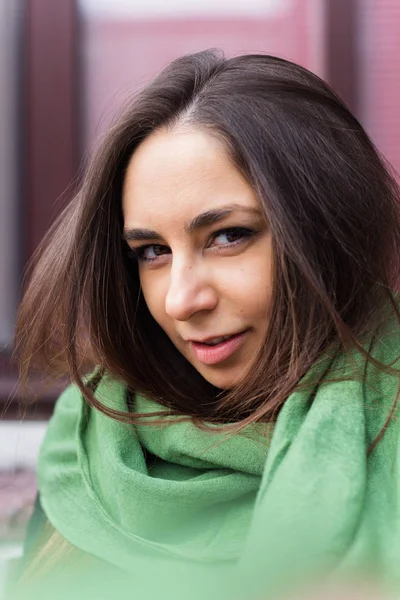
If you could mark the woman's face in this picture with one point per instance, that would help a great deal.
(203, 248)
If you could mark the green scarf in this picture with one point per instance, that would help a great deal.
(190, 513)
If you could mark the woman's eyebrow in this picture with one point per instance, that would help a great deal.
(205, 219)
(137, 234)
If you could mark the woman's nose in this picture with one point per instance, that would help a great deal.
(190, 291)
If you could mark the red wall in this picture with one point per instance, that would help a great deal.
(120, 56)
(379, 56)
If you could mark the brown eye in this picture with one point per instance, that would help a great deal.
(150, 252)
(233, 235)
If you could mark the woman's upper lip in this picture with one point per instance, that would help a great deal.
(213, 337)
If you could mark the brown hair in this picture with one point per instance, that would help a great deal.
(329, 198)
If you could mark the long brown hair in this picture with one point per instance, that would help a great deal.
(332, 206)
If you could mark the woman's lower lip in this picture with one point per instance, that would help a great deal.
(211, 355)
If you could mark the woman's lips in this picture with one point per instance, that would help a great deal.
(211, 355)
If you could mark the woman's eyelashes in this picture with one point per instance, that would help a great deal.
(222, 239)
(233, 235)
(149, 252)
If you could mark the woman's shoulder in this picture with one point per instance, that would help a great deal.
(105, 387)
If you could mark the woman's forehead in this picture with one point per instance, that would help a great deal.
(180, 174)
(172, 156)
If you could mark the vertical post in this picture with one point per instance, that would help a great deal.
(48, 154)
(341, 56)
(51, 112)
(9, 166)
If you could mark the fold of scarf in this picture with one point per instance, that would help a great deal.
(247, 513)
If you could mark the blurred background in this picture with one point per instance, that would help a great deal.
(66, 66)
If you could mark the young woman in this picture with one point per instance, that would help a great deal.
(220, 294)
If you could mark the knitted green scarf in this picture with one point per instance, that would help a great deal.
(189, 513)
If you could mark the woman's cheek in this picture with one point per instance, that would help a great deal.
(153, 294)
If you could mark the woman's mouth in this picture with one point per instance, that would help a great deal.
(217, 349)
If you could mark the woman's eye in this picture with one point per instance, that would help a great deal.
(150, 252)
(223, 238)
(227, 237)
